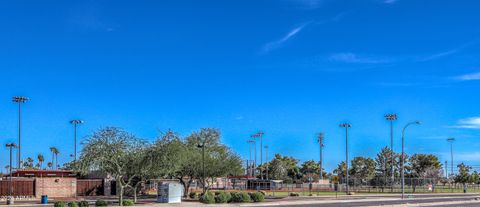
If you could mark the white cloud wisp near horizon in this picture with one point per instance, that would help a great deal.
(468, 77)
(468, 123)
(348, 57)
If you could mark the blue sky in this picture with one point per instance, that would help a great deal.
(291, 68)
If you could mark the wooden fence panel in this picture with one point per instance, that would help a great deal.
(90, 187)
(20, 187)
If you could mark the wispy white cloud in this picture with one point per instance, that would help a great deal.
(468, 77)
(440, 55)
(447, 53)
(390, 1)
(468, 123)
(278, 43)
(354, 58)
(308, 4)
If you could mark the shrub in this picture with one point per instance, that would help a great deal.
(83, 204)
(223, 197)
(263, 192)
(59, 204)
(72, 204)
(207, 198)
(241, 197)
(294, 194)
(128, 202)
(192, 195)
(257, 197)
(101, 203)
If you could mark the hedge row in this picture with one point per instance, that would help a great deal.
(229, 197)
(100, 203)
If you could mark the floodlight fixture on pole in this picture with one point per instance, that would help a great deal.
(321, 138)
(10, 184)
(255, 136)
(346, 126)
(451, 140)
(20, 100)
(250, 166)
(266, 161)
(391, 118)
(402, 172)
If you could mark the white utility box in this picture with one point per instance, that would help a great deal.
(169, 192)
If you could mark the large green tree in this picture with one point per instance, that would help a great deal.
(463, 175)
(362, 169)
(284, 168)
(311, 169)
(424, 169)
(182, 158)
(115, 152)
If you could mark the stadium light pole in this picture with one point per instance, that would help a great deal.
(75, 123)
(266, 161)
(321, 137)
(255, 136)
(250, 142)
(346, 126)
(391, 118)
(10, 186)
(19, 100)
(402, 172)
(451, 140)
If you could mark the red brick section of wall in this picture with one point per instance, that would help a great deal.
(56, 187)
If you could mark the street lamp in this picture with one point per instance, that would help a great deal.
(10, 198)
(451, 140)
(75, 123)
(19, 100)
(321, 137)
(202, 145)
(391, 118)
(402, 172)
(346, 126)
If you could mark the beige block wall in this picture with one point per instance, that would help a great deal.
(56, 187)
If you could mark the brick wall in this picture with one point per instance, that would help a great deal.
(56, 187)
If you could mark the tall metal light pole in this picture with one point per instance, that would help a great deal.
(10, 191)
(402, 172)
(446, 169)
(75, 123)
(255, 136)
(19, 100)
(451, 140)
(391, 118)
(321, 137)
(250, 142)
(254, 155)
(266, 161)
(346, 126)
(202, 145)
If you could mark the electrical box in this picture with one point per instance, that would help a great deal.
(169, 192)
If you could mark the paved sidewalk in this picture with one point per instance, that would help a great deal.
(354, 200)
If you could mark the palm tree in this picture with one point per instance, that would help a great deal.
(55, 153)
(41, 159)
(29, 164)
(49, 165)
